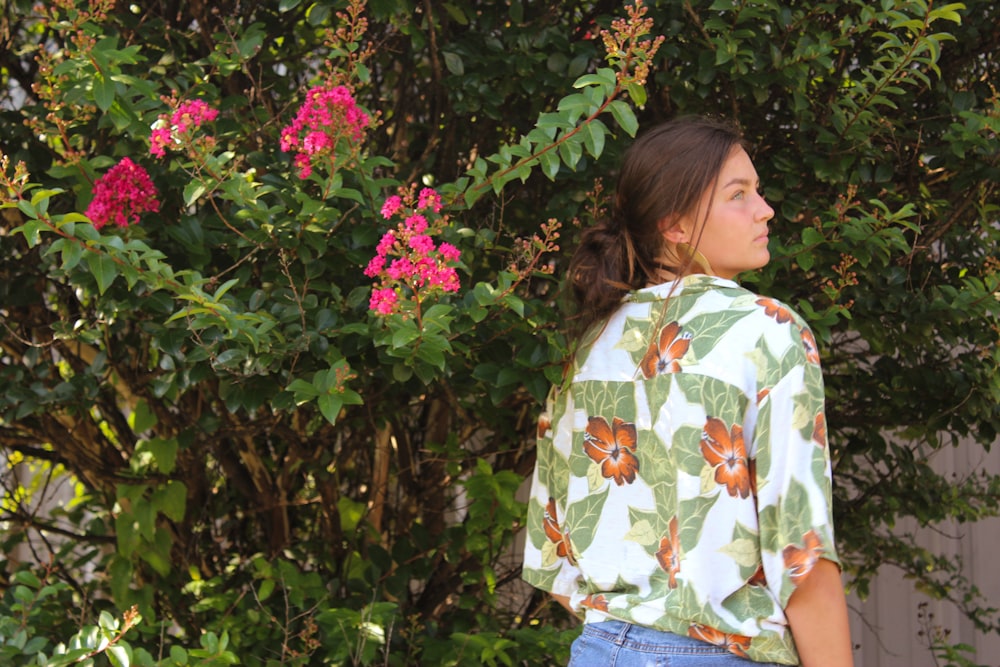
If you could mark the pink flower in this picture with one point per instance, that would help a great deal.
(429, 197)
(180, 125)
(375, 266)
(407, 261)
(422, 244)
(447, 277)
(159, 140)
(416, 223)
(315, 142)
(385, 245)
(383, 301)
(391, 206)
(449, 252)
(191, 115)
(121, 195)
(289, 138)
(305, 166)
(401, 268)
(328, 116)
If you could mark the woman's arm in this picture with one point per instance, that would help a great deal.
(817, 614)
(564, 601)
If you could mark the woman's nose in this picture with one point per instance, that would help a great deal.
(764, 210)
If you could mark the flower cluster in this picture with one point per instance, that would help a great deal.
(176, 127)
(328, 116)
(406, 259)
(121, 195)
(625, 50)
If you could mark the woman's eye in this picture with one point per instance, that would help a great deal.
(738, 195)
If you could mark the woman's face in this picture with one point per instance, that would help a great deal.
(734, 237)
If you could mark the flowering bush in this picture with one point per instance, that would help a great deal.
(295, 419)
(178, 128)
(121, 195)
(407, 263)
(327, 122)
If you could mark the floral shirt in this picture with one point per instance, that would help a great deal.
(683, 474)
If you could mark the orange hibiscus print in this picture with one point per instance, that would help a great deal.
(561, 539)
(819, 430)
(598, 602)
(662, 356)
(761, 395)
(612, 447)
(758, 578)
(724, 450)
(544, 424)
(774, 309)
(809, 342)
(669, 555)
(799, 561)
(737, 644)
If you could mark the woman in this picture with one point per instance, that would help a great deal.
(681, 498)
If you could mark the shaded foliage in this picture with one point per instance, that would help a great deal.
(257, 455)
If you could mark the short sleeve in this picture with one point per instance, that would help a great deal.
(793, 468)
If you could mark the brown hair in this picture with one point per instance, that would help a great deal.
(663, 174)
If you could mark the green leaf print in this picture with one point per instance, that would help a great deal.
(544, 579)
(686, 451)
(606, 399)
(553, 471)
(762, 440)
(693, 513)
(708, 327)
(767, 518)
(656, 460)
(633, 340)
(748, 602)
(595, 480)
(797, 513)
(741, 534)
(769, 647)
(582, 518)
(717, 397)
(708, 485)
(536, 531)
(771, 368)
(743, 551)
(657, 391)
(549, 555)
(642, 533)
(658, 526)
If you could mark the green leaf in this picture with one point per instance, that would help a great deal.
(192, 191)
(72, 253)
(570, 152)
(624, 116)
(637, 93)
(104, 91)
(593, 137)
(164, 453)
(329, 406)
(120, 654)
(812, 237)
(454, 63)
(103, 268)
(550, 163)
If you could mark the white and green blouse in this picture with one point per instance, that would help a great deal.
(683, 474)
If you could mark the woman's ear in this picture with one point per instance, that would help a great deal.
(673, 230)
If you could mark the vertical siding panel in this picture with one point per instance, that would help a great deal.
(886, 626)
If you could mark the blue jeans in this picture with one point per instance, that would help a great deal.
(619, 644)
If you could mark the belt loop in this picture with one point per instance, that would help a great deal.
(623, 634)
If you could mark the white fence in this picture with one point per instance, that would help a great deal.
(890, 627)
